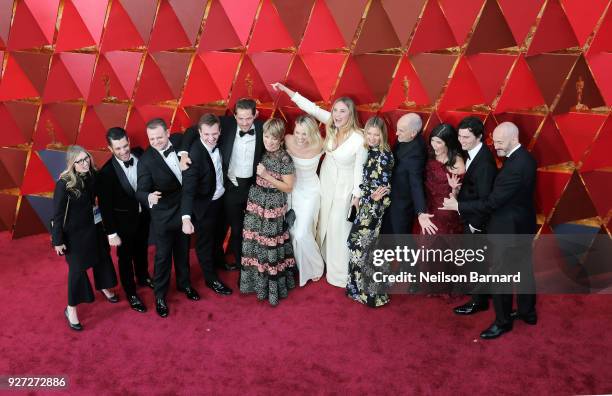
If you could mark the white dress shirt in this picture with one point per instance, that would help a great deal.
(172, 161)
(216, 159)
(131, 173)
(243, 155)
(472, 153)
(513, 150)
(132, 176)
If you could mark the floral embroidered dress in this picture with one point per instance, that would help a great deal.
(366, 227)
(267, 255)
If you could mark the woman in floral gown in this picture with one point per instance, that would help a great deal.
(375, 188)
(267, 256)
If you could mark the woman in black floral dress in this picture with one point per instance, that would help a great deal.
(374, 200)
(267, 255)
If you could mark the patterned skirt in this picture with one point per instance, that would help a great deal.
(268, 265)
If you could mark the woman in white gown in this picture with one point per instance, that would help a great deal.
(305, 147)
(340, 175)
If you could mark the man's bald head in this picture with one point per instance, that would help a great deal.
(505, 138)
(408, 126)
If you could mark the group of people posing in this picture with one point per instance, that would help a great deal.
(285, 221)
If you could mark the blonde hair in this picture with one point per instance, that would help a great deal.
(312, 128)
(275, 127)
(74, 183)
(380, 124)
(352, 124)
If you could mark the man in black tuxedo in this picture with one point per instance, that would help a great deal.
(201, 201)
(126, 221)
(159, 188)
(477, 184)
(407, 192)
(241, 143)
(511, 210)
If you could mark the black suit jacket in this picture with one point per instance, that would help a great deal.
(408, 194)
(226, 141)
(199, 181)
(73, 224)
(155, 175)
(477, 184)
(510, 204)
(117, 198)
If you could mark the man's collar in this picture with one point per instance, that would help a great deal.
(209, 149)
(165, 148)
(513, 150)
(472, 152)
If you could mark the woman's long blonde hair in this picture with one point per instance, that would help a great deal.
(378, 123)
(74, 183)
(312, 128)
(352, 124)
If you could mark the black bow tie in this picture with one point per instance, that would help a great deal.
(168, 151)
(249, 132)
(128, 163)
(214, 148)
(468, 155)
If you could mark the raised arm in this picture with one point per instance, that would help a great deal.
(306, 105)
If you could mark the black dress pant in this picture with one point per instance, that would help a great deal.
(133, 255)
(79, 286)
(235, 202)
(209, 238)
(480, 295)
(398, 220)
(517, 259)
(170, 243)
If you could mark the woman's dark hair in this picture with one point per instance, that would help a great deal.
(448, 135)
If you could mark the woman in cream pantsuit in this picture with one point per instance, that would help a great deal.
(340, 175)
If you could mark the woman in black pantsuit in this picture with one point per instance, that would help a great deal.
(77, 233)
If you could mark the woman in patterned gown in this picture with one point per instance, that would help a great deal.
(267, 256)
(375, 189)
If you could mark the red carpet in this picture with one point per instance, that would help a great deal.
(315, 341)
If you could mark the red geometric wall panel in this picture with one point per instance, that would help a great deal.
(81, 25)
(71, 69)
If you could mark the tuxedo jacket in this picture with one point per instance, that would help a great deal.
(199, 181)
(510, 203)
(226, 141)
(407, 192)
(477, 184)
(117, 199)
(155, 175)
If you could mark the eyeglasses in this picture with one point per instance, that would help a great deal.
(82, 160)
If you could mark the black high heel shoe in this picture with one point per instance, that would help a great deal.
(114, 299)
(73, 326)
